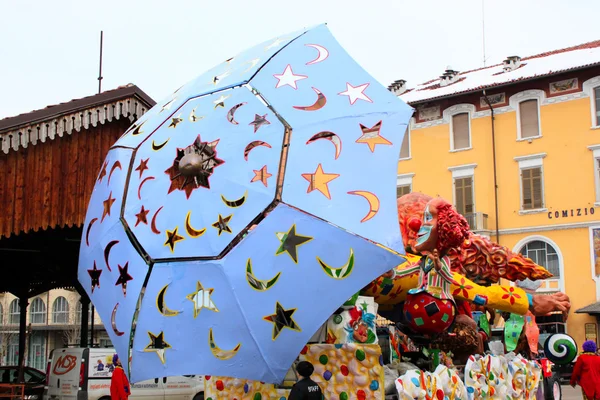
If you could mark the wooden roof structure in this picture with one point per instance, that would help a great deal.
(50, 159)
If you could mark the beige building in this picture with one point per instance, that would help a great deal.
(53, 321)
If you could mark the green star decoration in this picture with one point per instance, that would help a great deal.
(282, 319)
(290, 242)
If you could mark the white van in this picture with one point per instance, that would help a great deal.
(84, 374)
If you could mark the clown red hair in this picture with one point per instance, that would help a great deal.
(453, 228)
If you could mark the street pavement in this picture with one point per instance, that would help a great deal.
(570, 393)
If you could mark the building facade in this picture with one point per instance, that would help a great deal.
(516, 148)
(54, 321)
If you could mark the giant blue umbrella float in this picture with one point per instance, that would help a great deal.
(233, 218)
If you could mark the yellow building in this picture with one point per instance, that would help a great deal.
(516, 148)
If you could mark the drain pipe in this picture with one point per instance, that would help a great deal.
(494, 163)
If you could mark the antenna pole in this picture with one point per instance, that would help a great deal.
(100, 73)
(483, 29)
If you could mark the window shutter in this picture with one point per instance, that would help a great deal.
(459, 197)
(528, 111)
(460, 131)
(405, 148)
(403, 190)
(526, 184)
(536, 184)
(597, 99)
(469, 206)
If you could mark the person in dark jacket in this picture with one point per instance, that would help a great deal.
(587, 372)
(119, 384)
(306, 388)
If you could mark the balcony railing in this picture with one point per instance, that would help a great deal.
(478, 221)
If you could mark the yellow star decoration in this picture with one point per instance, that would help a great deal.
(201, 299)
(319, 180)
(157, 345)
(372, 137)
(172, 238)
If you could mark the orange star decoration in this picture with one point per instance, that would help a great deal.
(107, 206)
(172, 238)
(319, 180)
(372, 137)
(261, 175)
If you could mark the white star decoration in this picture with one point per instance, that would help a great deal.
(355, 93)
(276, 43)
(288, 78)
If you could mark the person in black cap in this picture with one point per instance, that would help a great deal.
(305, 388)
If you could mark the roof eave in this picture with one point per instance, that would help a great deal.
(500, 85)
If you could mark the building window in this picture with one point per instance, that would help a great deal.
(461, 131)
(79, 311)
(543, 254)
(596, 106)
(402, 190)
(529, 119)
(12, 356)
(531, 184)
(1, 316)
(463, 195)
(404, 184)
(37, 351)
(405, 148)
(37, 311)
(595, 148)
(60, 311)
(14, 312)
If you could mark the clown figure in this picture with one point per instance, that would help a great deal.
(360, 327)
(430, 307)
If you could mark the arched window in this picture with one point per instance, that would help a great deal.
(543, 254)
(14, 311)
(60, 311)
(37, 310)
(79, 311)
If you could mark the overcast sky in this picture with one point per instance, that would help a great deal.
(49, 49)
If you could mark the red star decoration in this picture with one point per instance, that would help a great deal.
(95, 276)
(107, 205)
(261, 175)
(142, 216)
(124, 277)
(103, 171)
(143, 166)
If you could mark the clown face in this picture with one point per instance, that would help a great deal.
(361, 331)
(427, 235)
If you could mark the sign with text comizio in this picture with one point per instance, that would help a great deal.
(571, 213)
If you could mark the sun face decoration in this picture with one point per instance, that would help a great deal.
(193, 166)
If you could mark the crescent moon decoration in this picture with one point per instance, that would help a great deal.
(339, 273)
(157, 147)
(317, 105)
(252, 145)
(373, 203)
(193, 233)
(153, 224)
(235, 203)
(87, 233)
(217, 351)
(160, 303)
(138, 130)
(231, 113)
(142, 184)
(107, 249)
(259, 284)
(332, 137)
(323, 54)
(113, 323)
(194, 117)
(116, 165)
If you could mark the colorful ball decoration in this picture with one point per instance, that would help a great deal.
(427, 314)
(560, 348)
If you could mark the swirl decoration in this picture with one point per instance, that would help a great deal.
(560, 348)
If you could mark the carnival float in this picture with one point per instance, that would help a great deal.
(249, 221)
